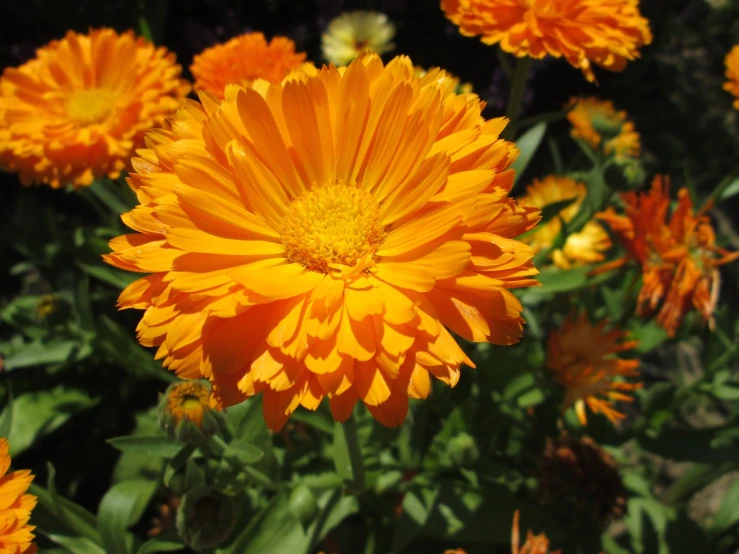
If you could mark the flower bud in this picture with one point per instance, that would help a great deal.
(303, 504)
(185, 412)
(205, 517)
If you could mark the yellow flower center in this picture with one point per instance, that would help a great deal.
(89, 106)
(337, 223)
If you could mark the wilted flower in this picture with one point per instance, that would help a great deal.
(583, 247)
(607, 33)
(16, 536)
(185, 412)
(205, 518)
(732, 74)
(602, 127)
(314, 238)
(582, 481)
(583, 359)
(535, 544)
(679, 258)
(79, 109)
(244, 59)
(352, 33)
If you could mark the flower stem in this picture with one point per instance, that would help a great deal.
(348, 455)
(518, 87)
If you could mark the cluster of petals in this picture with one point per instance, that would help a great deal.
(16, 535)
(535, 544)
(320, 238)
(603, 128)
(583, 247)
(243, 60)
(608, 33)
(583, 359)
(679, 258)
(732, 74)
(353, 33)
(79, 109)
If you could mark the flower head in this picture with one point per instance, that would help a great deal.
(80, 108)
(535, 544)
(679, 258)
(16, 536)
(185, 412)
(584, 247)
(243, 60)
(583, 359)
(581, 481)
(352, 33)
(602, 127)
(607, 33)
(732, 74)
(317, 238)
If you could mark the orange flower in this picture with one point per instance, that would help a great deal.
(79, 109)
(317, 238)
(535, 544)
(605, 32)
(16, 536)
(243, 60)
(583, 247)
(732, 74)
(599, 124)
(679, 259)
(582, 357)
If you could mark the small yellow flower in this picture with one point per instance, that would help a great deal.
(732, 74)
(584, 247)
(597, 123)
(583, 359)
(352, 33)
(16, 536)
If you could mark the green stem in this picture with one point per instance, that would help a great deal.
(348, 455)
(549, 117)
(518, 87)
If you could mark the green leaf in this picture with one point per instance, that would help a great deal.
(242, 452)
(550, 211)
(528, 144)
(418, 503)
(168, 542)
(77, 545)
(348, 455)
(704, 445)
(728, 514)
(6, 418)
(112, 196)
(161, 446)
(122, 506)
(116, 344)
(55, 514)
(41, 353)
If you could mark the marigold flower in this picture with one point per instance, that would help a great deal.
(679, 258)
(79, 109)
(584, 247)
(243, 60)
(607, 33)
(318, 237)
(352, 33)
(581, 481)
(732, 74)
(535, 544)
(16, 536)
(597, 123)
(583, 359)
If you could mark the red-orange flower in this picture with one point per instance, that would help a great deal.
(244, 59)
(535, 544)
(679, 258)
(80, 108)
(732, 74)
(16, 535)
(607, 33)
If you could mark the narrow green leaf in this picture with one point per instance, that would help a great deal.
(77, 545)
(58, 514)
(168, 542)
(347, 454)
(528, 144)
(122, 506)
(151, 445)
(107, 192)
(41, 353)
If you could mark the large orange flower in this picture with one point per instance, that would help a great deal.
(583, 247)
(583, 359)
(16, 536)
(80, 108)
(244, 59)
(607, 33)
(679, 258)
(732, 74)
(318, 237)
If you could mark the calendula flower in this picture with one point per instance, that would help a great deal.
(243, 60)
(80, 108)
(602, 127)
(607, 33)
(185, 412)
(732, 74)
(581, 482)
(317, 238)
(583, 247)
(16, 536)
(444, 77)
(352, 33)
(583, 358)
(679, 258)
(535, 544)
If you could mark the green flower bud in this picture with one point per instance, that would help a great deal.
(607, 124)
(303, 504)
(626, 173)
(462, 450)
(185, 413)
(205, 518)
